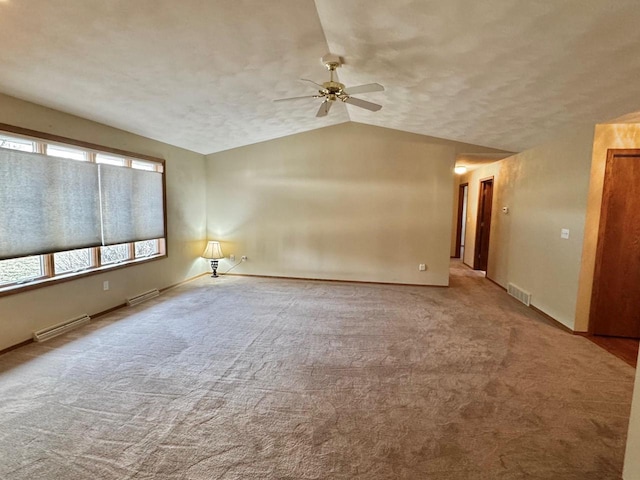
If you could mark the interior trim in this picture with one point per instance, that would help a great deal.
(48, 281)
(103, 312)
(77, 143)
(332, 280)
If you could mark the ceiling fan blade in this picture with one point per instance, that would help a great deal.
(311, 81)
(369, 87)
(324, 108)
(294, 98)
(374, 107)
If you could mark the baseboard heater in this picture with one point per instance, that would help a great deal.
(60, 328)
(519, 294)
(143, 297)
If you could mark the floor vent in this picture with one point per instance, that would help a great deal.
(519, 294)
(143, 297)
(60, 328)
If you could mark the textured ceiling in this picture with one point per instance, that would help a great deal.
(202, 74)
(476, 160)
(632, 117)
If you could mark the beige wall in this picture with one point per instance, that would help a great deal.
(632, 456)
(606, 137)
(22, 313)
(546, 190)
(348, 202)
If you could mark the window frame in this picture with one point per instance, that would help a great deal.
(49, 277)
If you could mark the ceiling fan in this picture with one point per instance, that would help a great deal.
(331, 91)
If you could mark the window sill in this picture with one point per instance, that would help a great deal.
(65, 277)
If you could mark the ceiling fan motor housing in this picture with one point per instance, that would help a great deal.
(332, 89)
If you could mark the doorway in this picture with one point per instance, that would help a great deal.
(483, 225)
(461, 231)
(615, 303)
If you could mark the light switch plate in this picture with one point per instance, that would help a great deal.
(564, 233)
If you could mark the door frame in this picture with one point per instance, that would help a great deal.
(598, 264)
(461, 187)
(478, 215)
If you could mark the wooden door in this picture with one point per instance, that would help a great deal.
(483, 225)
(615, 300)
(462, 190)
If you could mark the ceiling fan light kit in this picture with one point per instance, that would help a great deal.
(332, 90)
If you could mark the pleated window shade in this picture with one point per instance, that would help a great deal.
(52, 204)
(47, 204)
(132, 204)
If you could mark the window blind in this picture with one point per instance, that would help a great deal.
(52, 204)
(132, 205)
(47, 204)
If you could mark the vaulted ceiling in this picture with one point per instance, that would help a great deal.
(202, 74)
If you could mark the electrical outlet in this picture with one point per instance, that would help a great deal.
(232, 257)
(105, 285)
(422, 267)
(244, 258)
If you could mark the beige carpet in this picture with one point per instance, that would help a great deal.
(246, 378)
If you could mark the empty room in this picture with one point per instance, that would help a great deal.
(319, 240)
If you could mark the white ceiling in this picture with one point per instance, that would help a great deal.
(473, 161)
(202, 74)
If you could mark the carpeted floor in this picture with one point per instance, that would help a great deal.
(247, 378)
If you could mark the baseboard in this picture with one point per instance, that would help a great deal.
(495, 283)
(190, 279)
(108, 310)
(555, 322)
(104, 312)
(309, 279)
(546, 316)
(17, 345)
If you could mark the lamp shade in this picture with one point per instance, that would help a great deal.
(213, 251)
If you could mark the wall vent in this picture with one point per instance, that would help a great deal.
(143, 297)
(519, 294)
(60, 328)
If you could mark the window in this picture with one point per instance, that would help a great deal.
(65, 152)
(110, 160)
(107, 208)
(146, 248)
(17, 144)
(114, 254)
(16, 270)
(143, 165)
(72, 261)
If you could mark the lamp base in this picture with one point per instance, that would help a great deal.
(214, 268)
